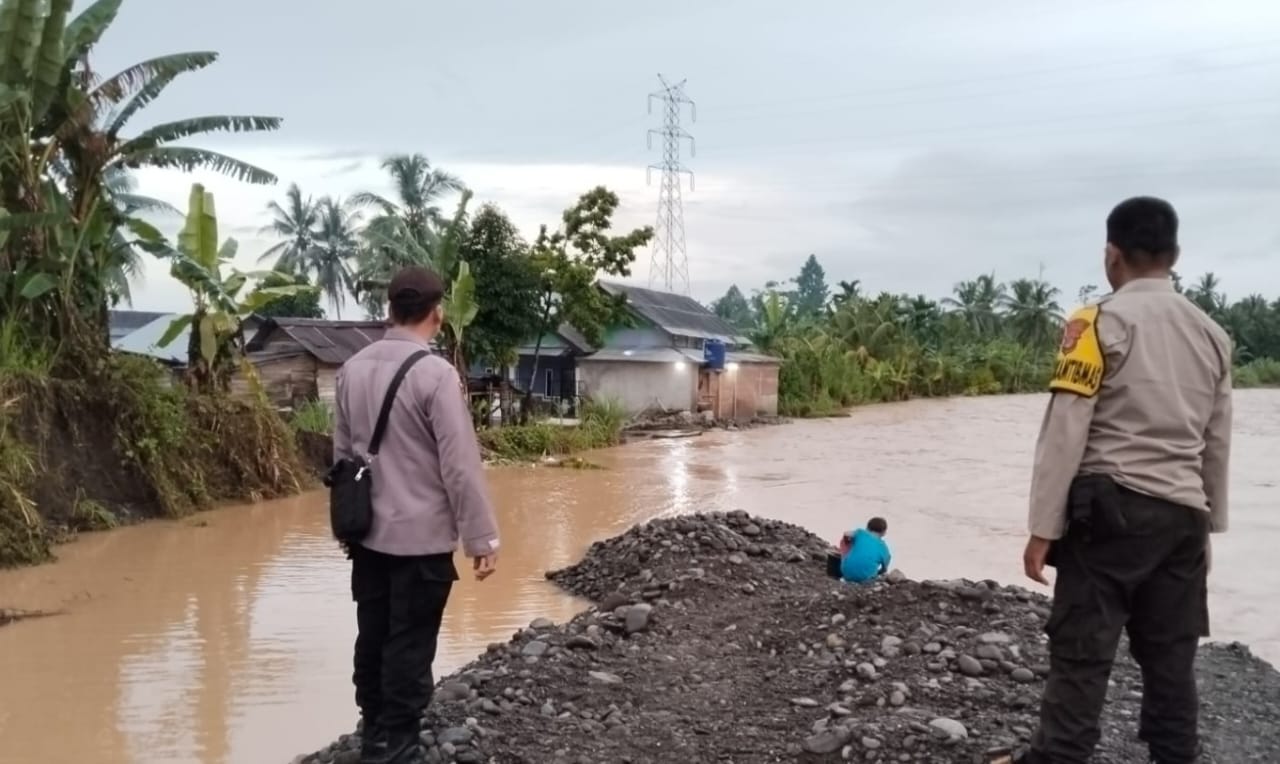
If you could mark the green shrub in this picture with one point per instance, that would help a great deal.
(313, 416)
(1260, 372)
(600, 426)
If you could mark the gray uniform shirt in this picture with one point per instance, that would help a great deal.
(429, 490)
(1160, 423)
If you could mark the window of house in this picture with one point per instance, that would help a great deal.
(550, 380)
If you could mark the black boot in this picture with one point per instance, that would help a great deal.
(373, 743)
(396, 747)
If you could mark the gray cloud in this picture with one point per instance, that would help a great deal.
(909, 147)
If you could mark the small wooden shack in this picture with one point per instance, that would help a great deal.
(298, 359)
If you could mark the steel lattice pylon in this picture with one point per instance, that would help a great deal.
(669, 265)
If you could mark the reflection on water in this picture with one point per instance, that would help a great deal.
(226, 638)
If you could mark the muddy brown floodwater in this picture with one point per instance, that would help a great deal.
(225, 638)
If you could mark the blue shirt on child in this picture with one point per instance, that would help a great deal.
(868, 558)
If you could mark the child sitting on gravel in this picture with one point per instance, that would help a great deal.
(864, 554)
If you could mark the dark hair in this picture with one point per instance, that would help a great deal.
(1145, 230)
(878, 525)
(413, 293)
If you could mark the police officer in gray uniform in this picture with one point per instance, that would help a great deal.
(1130, 479)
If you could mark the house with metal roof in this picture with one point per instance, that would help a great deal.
(121, 323)
(139, 333)
(674, 354)
(298, 358)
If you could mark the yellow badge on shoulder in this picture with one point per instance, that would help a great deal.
(1080, 360)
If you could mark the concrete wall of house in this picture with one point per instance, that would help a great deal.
(639, 385)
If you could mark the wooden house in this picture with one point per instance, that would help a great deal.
(297, 359)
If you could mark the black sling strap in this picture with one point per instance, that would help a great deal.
(380, 428)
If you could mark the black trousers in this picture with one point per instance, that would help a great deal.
(1138, 564)
(399, 606)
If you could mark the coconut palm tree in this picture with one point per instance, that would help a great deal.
(1206, 294)
(330, 262)
(295, 222)
(418, 186)
(978, 301)
(1032, 311)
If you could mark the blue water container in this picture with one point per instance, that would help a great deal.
(713, 352)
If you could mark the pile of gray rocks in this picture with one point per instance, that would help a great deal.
(719, 638)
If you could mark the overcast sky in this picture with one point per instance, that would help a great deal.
(909, 145)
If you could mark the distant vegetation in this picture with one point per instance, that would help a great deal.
(600, 426)
(845, 347)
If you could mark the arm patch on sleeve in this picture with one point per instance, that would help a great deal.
(1080, 362)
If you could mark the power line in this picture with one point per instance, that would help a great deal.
(669, 265)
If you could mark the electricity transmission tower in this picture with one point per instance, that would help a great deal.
(669, 266)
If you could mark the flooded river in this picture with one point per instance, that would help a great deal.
(226, 638)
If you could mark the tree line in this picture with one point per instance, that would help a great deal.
(503, 290)
(843, 346)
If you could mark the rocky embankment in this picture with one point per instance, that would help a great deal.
(719, 638)
(657, 421)
(10, 615)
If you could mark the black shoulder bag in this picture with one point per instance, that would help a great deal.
(350, 481)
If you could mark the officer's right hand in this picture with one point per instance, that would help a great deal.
(1034, 557)
(485, 566)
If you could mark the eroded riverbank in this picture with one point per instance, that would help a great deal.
(226, 638)
(720, 638)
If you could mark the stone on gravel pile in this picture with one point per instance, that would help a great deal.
(719, 638)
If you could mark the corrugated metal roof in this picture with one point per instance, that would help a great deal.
(673, 355)
(123, 322)
(575, 338)
(142, 341)
(641, 355)
(331, 342)
(675, 313)
(736, 357)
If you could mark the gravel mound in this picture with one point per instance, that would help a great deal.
(719, 638)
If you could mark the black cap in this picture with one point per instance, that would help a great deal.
(417, 283)
(413, 293)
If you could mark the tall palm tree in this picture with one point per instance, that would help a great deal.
(295, 222)
(418, 186)
(1205, 294)
(978, 301)
(331, 258)
(1032, 311)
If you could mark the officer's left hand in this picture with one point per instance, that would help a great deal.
(1033, 559)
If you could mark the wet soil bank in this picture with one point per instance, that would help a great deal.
(720, 638)
(124, 446)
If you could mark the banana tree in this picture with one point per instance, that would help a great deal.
(62, 141)
(219, 311)
(460, 309)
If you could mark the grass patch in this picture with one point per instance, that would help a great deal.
(91, 515)
(313, 416)
(1260, 372)
(22, 532)
(600, 425)
(19, 357)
